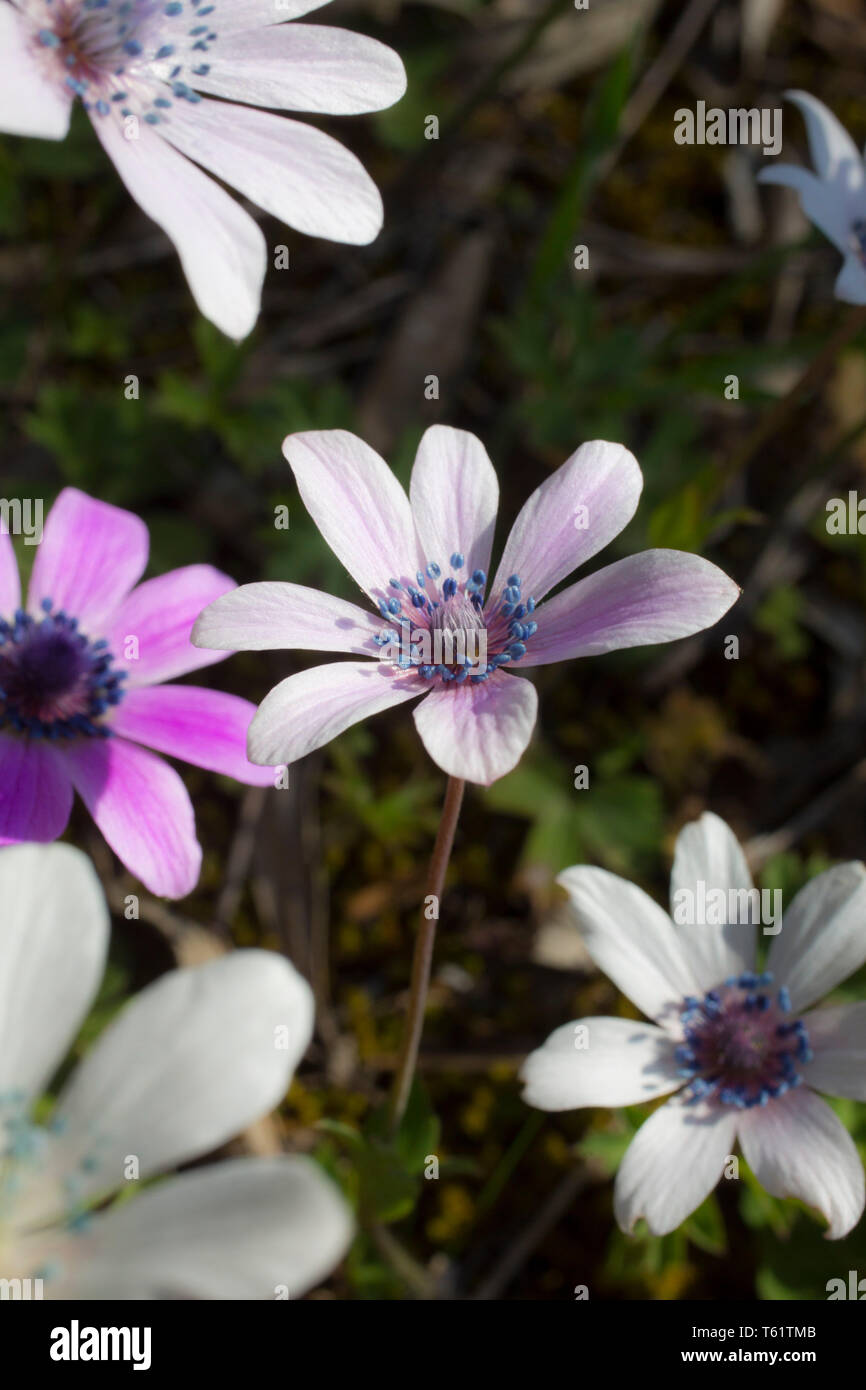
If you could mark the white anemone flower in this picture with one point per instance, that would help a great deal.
(142, 69)
(739, 1044)
(180, 1070)
(834, 196)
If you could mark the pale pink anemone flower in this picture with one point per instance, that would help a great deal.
(730, 1036)
(140, 67)
(81, 672)
(423, 561)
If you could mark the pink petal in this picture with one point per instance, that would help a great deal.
(358, 505)
(271, 616)
(10, 583)
(797, 1147)
(143, 810)
(35, 791)
(552, 535)
(837, 1038)
(159, 615)
(673, 1163)
(306, 711)
(478, 732)
(293, 171)
(30, 102)
(221, 248)
(204, 727)
(656, 596)
(454, 495)
(306, 67)
(90, 557)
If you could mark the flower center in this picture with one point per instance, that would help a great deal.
(740, 1046)
(442, 629)
(858, 239)
(106, 49)
(54, 681)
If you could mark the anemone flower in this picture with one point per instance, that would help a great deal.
(81, 672)
(423, 561)
(834, 196)
(730, 1037)
(184, 1067)
(140, 68)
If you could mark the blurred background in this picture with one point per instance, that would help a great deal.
(555, 130)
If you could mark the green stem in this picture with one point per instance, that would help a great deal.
(423, 957)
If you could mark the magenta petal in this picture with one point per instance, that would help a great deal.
(90, 557)
(142, 808)
(656, 596)
(573, 515)
(205, 727)
(10, 584)
(159, 616)
(35, 791)
(454, 495)
(306, 711)
(478, 732)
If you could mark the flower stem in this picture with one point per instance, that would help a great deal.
(423, 957)
(777, 418)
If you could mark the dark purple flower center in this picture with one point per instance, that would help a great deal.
(55, 682)
(740, 1046)
(442, 629)
(858, 239)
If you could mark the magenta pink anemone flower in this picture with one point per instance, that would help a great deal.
(144, 71)
(81, 693)
(440, 630)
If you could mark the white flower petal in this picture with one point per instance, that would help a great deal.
(797, 1147)
(291, 170)
(600, 1061)
(30, 102)
(823, 936)
(834, 153)
(305, 67)
(708, 852)
(54, 928)
(837, 1038)
(250, 1228)
(631, 940)
(185, 1065)
(850, 286)
(673, 1163)
(221, 249)
(825, 204)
